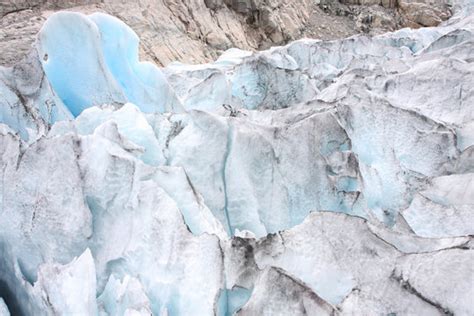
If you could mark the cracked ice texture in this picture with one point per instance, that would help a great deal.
(337, 178)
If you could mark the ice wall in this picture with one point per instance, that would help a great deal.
(108, 70)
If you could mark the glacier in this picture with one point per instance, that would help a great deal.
(316, 178)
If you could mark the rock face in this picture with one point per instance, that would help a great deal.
(317, 178)
(197, 31)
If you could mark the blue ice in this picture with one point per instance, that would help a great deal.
(93, 60)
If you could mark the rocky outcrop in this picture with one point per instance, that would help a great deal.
(418, 13)
(196, 31)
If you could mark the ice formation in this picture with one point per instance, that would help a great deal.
(318, 178)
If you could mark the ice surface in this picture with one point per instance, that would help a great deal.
(276, 293)
(28, 104)
(69, 289)
(39, 214)
(230, 301)
(3, 308)
(79, 84)
(318, 178)
(142, 82)
(125, 297)
(109, 71)
(454, 269)
(444, 209)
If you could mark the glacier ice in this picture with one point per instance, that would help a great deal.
(317, 178)
(3, 308)
(69, 289)
(109, 71)
(277, 293)
(444, 209)
(28, 102)
(416, 272)
(124, 298)
(63, 37)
